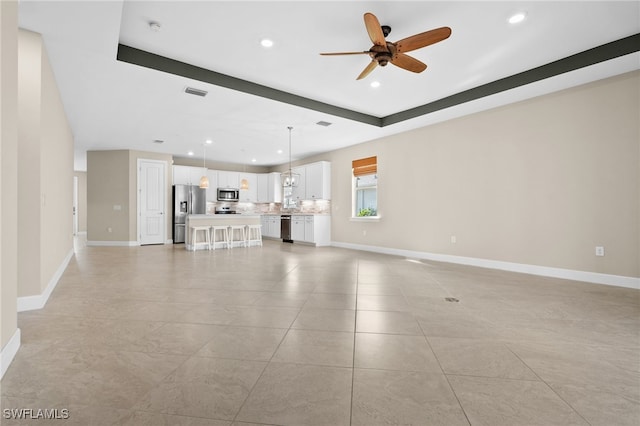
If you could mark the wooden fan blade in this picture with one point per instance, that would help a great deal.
(344, 53)
(408, 63)
(374, 29)
(368, 70)
(423, 39)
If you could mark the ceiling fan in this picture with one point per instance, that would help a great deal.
(382, 52)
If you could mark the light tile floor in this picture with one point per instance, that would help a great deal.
(293, 335)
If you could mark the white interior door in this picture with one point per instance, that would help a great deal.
(151, 201)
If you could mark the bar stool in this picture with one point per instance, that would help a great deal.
(254, 235)
(194, 237)
(222, 231)
(239, 231)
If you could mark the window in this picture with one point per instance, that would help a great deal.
(365, 187)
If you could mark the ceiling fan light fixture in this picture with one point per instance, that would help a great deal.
(265, 42)
(375, 84)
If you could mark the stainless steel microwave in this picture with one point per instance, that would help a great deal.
(228, 194)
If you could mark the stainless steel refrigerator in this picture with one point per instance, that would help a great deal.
(187, 199)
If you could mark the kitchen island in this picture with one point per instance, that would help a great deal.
(217, 220)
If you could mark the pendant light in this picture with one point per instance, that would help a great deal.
(204, 180)
(290, 179)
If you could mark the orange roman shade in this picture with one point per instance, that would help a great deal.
(365, 166)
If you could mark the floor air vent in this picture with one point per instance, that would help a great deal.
(451, 299)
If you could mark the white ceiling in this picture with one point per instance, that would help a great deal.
(118, 105)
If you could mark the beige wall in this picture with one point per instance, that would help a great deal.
(29, 160)
(112, 180)
(45, 165)
(8, 171)
(82, 200)
(108, 186)
(56, 178)
(540, 182)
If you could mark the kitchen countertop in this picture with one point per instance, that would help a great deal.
(296, 214)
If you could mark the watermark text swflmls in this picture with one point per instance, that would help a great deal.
(35, 413)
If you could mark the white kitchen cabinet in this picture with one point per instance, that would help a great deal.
(263, 188)
(228, 179)
(249, 195)
(180, 175)
(212, 191)
(297, 228)
(274, 189)
(308, 229)
(274, 226)
(318, 181)
(271, 226)
(269, 188)
(299, 192)
(187, 175)
(311, 229)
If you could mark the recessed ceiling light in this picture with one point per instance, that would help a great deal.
(517, 18)
(253, 160)
(208, 142)
(190, 153)
(375, 84)
(279, 151)
(265, 42)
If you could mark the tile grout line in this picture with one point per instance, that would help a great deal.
(267, 363)
(353, 353)
(446, 377)
(547, 384)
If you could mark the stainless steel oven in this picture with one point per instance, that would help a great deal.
(285, 228)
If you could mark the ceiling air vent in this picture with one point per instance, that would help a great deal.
(197, 92)
(323, 123)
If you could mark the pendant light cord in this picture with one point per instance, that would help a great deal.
(290, 175)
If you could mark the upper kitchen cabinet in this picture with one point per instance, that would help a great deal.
(228, 179)
(318, 181)
(269, 188)
(248, 192)
(299, 192)
(212, 191)
(187, 175)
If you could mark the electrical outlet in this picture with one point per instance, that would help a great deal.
(364, 232)
(599, 251)
(453, 239)
(109, 230)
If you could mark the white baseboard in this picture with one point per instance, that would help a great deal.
(545, 271)
(30, 303)
(9, 352)
(113, 243)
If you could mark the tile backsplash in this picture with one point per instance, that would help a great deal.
(306, 206)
